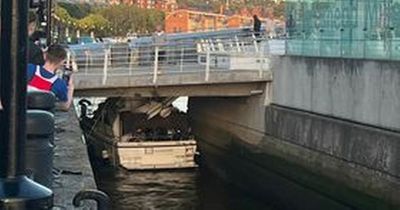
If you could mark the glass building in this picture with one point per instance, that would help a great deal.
(368, 29)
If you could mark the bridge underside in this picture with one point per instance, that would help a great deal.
(225, 90)
(229, 84)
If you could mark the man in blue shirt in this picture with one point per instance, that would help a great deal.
(43, 78)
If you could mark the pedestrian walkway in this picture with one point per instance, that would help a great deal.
(72, 161)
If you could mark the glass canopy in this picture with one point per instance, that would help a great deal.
(344, 28)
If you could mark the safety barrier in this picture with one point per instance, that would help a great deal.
(236, 52)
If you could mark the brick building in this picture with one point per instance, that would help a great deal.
(237, 21)
(164, 5)
(190, 21)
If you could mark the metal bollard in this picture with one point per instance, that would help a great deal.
(102, 199)
(41, 100)
(84, 103)
(39, 148)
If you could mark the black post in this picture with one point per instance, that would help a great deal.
(48, 21)
(13, 85)
(16, 190)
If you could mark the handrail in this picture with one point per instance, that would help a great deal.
(102, 199)
(214, 54)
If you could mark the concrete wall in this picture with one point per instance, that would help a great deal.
(362, 91)
(326, 128)
(354, 164)
(362, 157)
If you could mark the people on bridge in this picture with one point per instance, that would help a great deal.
(256, 25)
(159, 41)
(44, 78)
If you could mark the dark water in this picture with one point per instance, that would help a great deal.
(176, 190)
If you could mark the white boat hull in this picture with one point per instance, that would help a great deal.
(157, 155)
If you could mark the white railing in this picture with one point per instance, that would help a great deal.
(238, 52)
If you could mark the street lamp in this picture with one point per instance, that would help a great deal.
(48, 25)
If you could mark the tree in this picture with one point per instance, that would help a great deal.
(124, 19)
(63, 16)
(116, 20)
(94, 23)
(77, 11)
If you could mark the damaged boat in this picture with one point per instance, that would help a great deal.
(139, 134)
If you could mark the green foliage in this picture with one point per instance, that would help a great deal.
(77, 11)
(117, 20)
(126, 19)
(63, 16)
(279, 10)
(94, 23)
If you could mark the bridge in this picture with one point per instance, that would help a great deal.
(318, 120)
(221, 65)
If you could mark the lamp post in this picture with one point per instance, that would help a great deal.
(48, 23)
(17, 192)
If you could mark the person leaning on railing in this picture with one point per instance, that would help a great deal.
(44, 78)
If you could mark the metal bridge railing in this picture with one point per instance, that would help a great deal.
(238, 52)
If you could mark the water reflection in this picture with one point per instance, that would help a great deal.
(176, 190)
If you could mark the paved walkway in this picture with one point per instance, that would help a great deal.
(72, 157)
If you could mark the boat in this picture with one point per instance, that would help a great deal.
(139, 134)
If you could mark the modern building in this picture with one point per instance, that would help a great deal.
(339, 81)
(343, 28)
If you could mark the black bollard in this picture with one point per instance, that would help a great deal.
(39, 148)
(41, 100)
(84, 103)
(17, 192)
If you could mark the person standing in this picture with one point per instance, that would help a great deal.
(35, 54)
(43, 78)
(160, 41)
(257, 25)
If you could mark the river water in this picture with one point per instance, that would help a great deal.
(171, 190)
(176, 190)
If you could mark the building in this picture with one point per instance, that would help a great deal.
(191, 21)
(188, 21)
(237, 21)
(362, 28)
(166, 5)
(163, 5)
(339, 81)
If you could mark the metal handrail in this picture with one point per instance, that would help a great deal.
(102, 199)
(245, 51)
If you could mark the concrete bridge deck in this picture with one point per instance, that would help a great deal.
(224, 83)
(203, 68)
